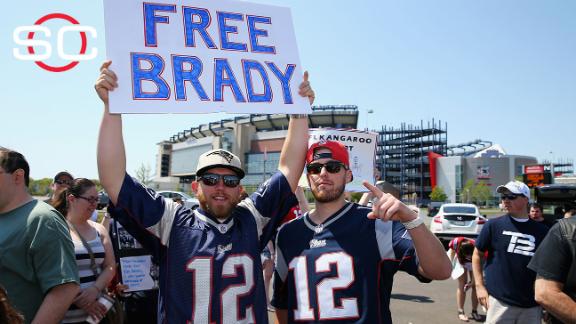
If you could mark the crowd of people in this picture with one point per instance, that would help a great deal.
(334, 263)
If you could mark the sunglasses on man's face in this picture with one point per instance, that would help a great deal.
(331, 167)
(211, 179)
(510, 197)
(63, 182)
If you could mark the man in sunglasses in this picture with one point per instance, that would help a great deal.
(210, 270)
(336, 264)
(506, 287)
(62, 181)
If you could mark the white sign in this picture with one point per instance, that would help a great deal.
(203, 56)
(361, 149)
(136, 272)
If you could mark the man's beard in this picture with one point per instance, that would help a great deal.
(326, 196)
(221, 211)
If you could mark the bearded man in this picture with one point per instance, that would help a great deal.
(336, 264)
(210, 270)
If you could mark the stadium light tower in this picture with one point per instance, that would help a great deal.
(369, 111)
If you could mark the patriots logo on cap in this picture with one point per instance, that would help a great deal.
(225, 155)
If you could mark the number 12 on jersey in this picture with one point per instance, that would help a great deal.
(202, 270)
(327, 309)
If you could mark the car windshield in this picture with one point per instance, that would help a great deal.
(459, 210)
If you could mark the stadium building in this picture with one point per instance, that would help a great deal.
(412, 158)
(256, 139)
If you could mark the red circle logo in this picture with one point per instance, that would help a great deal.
(82, 36)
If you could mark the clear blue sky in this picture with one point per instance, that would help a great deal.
(503, 71)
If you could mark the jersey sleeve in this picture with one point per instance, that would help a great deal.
(482, 243)
(453, 244)
(404, 251)
(53, 253)
(269, 204)
(552, 258)
(280, 296)
(148, 209)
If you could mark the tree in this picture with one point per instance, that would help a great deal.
(144, 174)
(40, 187)
(481, 193)
(466, 196)
(438, 194)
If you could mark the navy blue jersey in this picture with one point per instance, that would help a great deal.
(510, 245)
(210, 271)
(340, 271)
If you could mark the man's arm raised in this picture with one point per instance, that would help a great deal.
(434, 264)
(111, 152)
(295, 146)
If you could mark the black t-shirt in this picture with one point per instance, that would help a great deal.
(555, 259)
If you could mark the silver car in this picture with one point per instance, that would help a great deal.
(455, 220)
(188, 201)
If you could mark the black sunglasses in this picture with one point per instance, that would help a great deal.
(211, 179)
(510, 197)
(331, 167)
(63, 182)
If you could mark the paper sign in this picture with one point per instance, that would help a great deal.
(361, 149)
(203, 56)
(136, 272)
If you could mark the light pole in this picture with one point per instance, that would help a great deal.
(369, 111)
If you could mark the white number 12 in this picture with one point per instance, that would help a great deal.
(202, 270)
(324, 289)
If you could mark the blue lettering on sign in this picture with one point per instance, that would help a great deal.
(190, 26)
(284, 79)
(153, 75)
(248, 67)
(255, 32)
(222, 68)
(181, 76)
(150, 21)
(225, 44)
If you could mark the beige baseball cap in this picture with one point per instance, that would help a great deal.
(219, 158)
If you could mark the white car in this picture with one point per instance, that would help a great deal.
(455, 220)
(188, 201)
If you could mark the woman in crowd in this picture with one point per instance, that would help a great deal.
(94, 253)
(461, 250)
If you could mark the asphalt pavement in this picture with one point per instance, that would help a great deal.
(432, 303)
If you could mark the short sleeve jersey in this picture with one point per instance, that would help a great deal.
(510, 245)
(340, 271)
(555, 259)
(210, 271)
(36, 254)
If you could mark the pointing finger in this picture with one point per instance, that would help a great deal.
(305, 76)
(375, 190)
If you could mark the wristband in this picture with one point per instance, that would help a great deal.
(299, 116)
(413, 223)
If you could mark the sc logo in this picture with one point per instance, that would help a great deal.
(30, 43)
